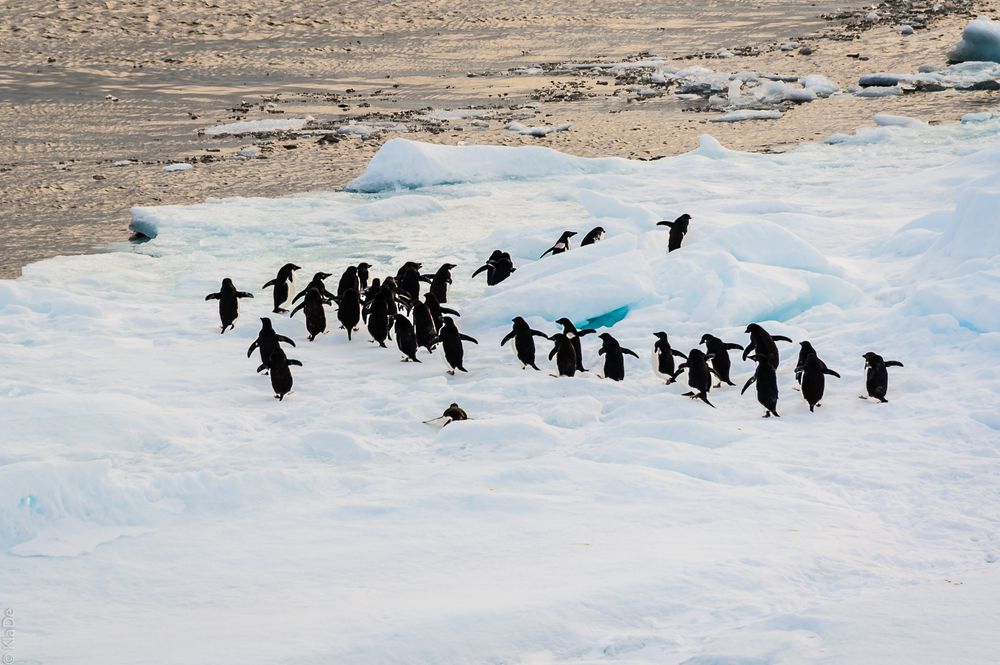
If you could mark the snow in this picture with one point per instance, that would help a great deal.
(980, 41)
(749, 114)
(539, 130)
(267, 126)
(819, 84)
(179, 166)
(963, 75)
(149, 478)
(890, 120)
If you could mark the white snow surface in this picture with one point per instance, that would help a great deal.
(265, 126)
(179, 166)
(158, 505)
(980, 41)
(748, 114)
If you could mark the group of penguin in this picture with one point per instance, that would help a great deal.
(387, 305)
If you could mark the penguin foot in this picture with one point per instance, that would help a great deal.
(451, 372)
(767, 414)
(862, 396)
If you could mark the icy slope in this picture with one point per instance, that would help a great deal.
(158, 505)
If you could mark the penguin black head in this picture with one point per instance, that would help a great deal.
(362, 266)
(519, 321)
(706, 338)
(606, 336)
(872, 358)
(228, 283)
(566, 323)
(753, 329)
(697, 355)
(569, 234)
(684, 219)
(351, 270)
(448, 266)
(447, 321)
(807, 348)
(376, 283)
(660, 335)
(320, 276)
(265, 322)
(504, 255)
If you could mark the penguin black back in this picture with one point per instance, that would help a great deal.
(699, 375)
(229, 303)
(281, 376)
(614, 357)
(349, 310)
(574, 335)
(596, 234)
(406, 340)
(437, 311)
(349, 280)
(315, 314)
(561, 245)
(424, 326)
(268, 340)
(378, 322)
(719, 351)
(762, 344)
(767, 386)
(440, 281)
(813, 379)
(564, 353)
(877, 375)
(678, 229)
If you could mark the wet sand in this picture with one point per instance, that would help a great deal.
(172, 69)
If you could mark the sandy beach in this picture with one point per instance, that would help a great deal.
(97, 97)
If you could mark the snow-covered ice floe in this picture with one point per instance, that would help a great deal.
(267, 126)
(149, 479)
(538, 130)
(980, 41)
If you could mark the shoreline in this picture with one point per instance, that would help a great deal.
(70, 190)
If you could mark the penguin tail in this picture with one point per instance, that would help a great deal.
(812, 408)
(704, 398)
(535, 367)
(462, 369)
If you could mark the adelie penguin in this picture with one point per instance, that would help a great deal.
(349, 280)
(450, 415)
(451, 340)
(363, 276)
(812, 378)
(574, 335)
(806, 349)
(437, 311)
(316, 283)
(284, 287)
(229, 303)
(562, 245)
(440, 281)
(315, 314)
(406, 340)
(614, 357)
(767, 386)
(524, 343)
(349, 311)
(408, 280)
(424, 326)
(877, 376)
(267, 341)
(762, 344)
(565, 354)
(498, 268)
(595, 235)
(663, 358)
(678, 229)
(378, 322)
(699, 375)
(281, 376)
(719, 351)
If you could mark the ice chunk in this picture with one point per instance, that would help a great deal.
(540, 130)
(889, 120)
(267, 126)
(980, 41)
(819, 84)
(180, 166)
(748, 114)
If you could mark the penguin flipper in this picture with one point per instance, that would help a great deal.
(831, 373)
(630, 352)
(253, 346)
(244, 294)
(213, 296)
(261, 367)
(539, 333)
(448, 310)
(297, 308)
(747, 384)
(481, 269)
(780, 338)
(601, 351)
(734, 347)
(273, 282)
(550, 249)
(678, 354)
(507, 338)
(893, 363)
(469, 339)
(286, 340)
(292, 361)
(585, 331)
(665, 223)
(552, 353)
(748, 350)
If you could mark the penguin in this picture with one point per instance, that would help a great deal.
(800, 364)
(813, 379)
(267, 341)
(574, 336)
(488, 266)
(699, 375)
(349, 311)
(565, 354)
(229, 303)
(281, 376)
(408, 281)
(497, 268)
(316, 283)
(678, 229)
(596, 235)
(562, 245)
(663, 358)
(440, 281)
(877, 376)
(315, 314)
(450, 415)
(719, 351)
(524, 345)
(424, 325)
(767, 386)
(363, 276)
(378, 322)
(437, 311)
(405, 339)
(450, 340)
(284, 287)
(763, 344)
(349, 280)
(614, 357)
